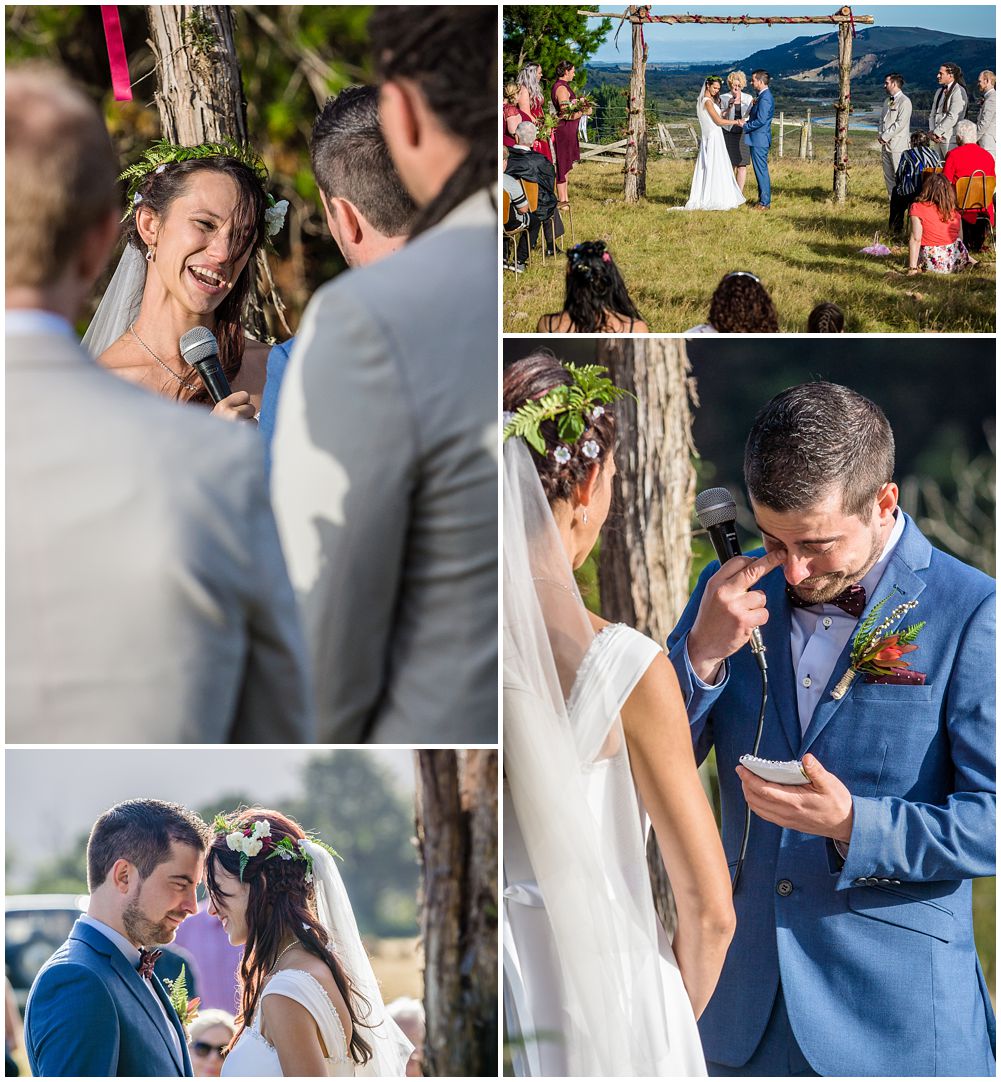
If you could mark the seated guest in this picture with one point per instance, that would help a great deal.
(966, 159)
(368, 210)
(910, 174)
(596, 296)
(518, 215)
(935, 244)
(528, 164)
(740, 305)
(209, 1036)
(826, 318)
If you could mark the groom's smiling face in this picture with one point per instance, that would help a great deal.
(158, 903)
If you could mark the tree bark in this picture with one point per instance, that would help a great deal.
(199, 97)
(636, 150)
(457, 836)
(842, 110)
(646, 556)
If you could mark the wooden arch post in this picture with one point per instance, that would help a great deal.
(636, 153)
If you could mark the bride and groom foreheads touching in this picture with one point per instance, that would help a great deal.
(747, 125)
(845, 946)
(310, 1004)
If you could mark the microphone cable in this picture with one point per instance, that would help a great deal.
(763, 666)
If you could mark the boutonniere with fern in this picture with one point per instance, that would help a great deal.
(879, 656)
(177, 993)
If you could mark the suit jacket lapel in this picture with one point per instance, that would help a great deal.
(899, 583)
(781, 678)
(175, 1022)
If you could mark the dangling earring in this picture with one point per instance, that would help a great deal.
(150, 252)
(583, 516)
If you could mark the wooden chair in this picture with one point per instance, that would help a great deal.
(975, 192)
(513, 233)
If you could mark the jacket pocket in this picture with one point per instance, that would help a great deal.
(892, 905)
(892, 693)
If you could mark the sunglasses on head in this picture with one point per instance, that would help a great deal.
(203, 1049)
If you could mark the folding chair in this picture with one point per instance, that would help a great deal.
(975, 192)
(512, 234)
(531, 190)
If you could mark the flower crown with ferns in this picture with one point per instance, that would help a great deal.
(255, 838)
(163, 153)
(572, 406)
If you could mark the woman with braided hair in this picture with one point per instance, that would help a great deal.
(309, 1002)
(596, 296)
(596, 747)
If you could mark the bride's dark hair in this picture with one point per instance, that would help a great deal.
(159, 190)
(531, 378)
(281, 904)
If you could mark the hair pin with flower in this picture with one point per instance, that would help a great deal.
(574, 407)
(252, 839)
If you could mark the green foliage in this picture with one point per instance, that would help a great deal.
(178, 993)
(548, 34)
(909, 634)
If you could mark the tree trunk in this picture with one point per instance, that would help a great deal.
(200, 100)
(646, 557)
(842, 110)
(635, 188)
(457, 836)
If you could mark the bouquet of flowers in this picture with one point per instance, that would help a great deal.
(547, 125)
(582, 104)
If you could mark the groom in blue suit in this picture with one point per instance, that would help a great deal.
(96, 1009)
(854, 951)
(757, 130)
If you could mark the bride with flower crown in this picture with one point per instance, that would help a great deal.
(197, 217)
(596, 748)
(310, 1005)
(713, 183)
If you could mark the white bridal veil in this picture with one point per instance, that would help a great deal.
(390, 1048)
(601, 918)
(120, 304)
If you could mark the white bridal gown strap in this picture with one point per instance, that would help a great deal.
(533, 997)
(254, 1057)
(713, 183)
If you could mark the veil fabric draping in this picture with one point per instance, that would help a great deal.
(390, 1048)
(120, 304)
(582, 908)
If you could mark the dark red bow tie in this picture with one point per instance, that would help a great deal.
(851, 600)
(147, 959)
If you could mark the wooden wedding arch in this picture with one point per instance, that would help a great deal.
(638, 16)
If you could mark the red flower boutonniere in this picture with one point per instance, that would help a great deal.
(880, 656)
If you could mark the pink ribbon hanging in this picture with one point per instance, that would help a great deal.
(120, 82)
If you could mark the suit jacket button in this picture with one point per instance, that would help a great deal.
(884, 881)
(895, 882)
(872, 881)
(860, 882)
(784, 888)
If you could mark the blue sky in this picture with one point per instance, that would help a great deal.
(693, 43)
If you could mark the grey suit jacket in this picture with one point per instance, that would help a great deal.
(147, 597)
(946, 113)
(986, 135)
(384, 482)
(895, 124)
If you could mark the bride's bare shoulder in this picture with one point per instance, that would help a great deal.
(121, 358)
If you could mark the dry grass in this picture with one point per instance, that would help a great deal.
(398, 965)
(805, 250)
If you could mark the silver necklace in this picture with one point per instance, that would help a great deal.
(281, 953)
(165, 367)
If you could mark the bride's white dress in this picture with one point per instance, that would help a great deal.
(540, 1027)
(253, 1057)
(713, 184)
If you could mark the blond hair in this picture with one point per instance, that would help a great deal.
(511, 93)
(60, 173)
(990, 77)
(737, 77)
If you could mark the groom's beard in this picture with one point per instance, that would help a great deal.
(142, 931)
(823, 588)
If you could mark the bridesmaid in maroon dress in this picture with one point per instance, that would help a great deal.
(531, 102)
(567, 135)
(512, 115)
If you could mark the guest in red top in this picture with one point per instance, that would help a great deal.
(512, 115)
(935, 243)
(964, 160)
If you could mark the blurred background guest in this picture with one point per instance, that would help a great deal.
(208, 1040)
(596, 297)
(408, 1014)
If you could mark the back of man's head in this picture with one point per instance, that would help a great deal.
(526, 133)
(60, 173)
(351, 161)
(141, 832)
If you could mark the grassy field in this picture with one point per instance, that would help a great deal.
(805, 250)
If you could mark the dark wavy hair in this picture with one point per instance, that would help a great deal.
(594, 288)
(281, 904)
(563, 66)
(531, 378)
(826, 318)
(450, 52)
(741, 305)
(159, 190)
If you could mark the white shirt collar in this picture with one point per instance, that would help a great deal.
(130, 951)
(872, 577)
(30, 321)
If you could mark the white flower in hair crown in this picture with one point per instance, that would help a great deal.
(274, 216)
(256, 837)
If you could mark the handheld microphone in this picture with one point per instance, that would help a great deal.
(716, 511)
(200, 349)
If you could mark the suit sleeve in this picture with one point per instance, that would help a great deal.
(985, 118)
(274, 703)
(763, 116)
(344, 467)
(277, 363)
(71, 1026)
(699, 697)
(920, 842)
